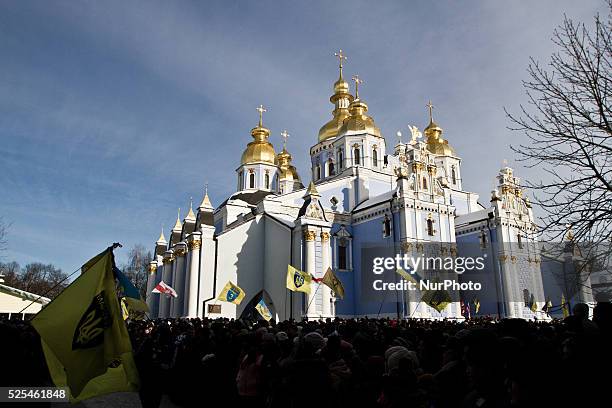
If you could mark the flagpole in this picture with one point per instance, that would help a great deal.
(115, 245)
(313, 298)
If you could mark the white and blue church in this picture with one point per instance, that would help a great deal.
(408, 198)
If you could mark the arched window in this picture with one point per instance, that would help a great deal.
(342, 252)
(357, 156)
(252, 180)
(374, 158)
(340, 159)
(386, 227)
(430, 228)
(454, 175)
(424, 184)
(240, 181)
(520, 241)
(330, 167)
(267, 181)
(317, 172)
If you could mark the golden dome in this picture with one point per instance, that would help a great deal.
(340, 86)
(331, 128)
(341, 100)
(287, 170)
(359, 120)
(435, 143)
(259, 150)
(433, 130)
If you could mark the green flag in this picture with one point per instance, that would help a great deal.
(84, 337)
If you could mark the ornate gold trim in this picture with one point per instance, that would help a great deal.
(310, 235)
(325, 236)
(195, 244)
(152, 268)
(168, 259)
(180, 251)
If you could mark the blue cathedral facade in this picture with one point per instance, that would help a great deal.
(363, 199)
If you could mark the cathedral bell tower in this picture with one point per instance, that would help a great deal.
(351, 138)
(258, 169)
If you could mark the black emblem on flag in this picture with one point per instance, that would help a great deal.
(298, 280)
(90, 330)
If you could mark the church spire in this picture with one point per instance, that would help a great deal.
(205, 204)
(178, 226)
(162, 238)
(190, 215)
(341, 59)
(341, 100)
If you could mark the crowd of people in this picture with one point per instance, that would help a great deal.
(356, 362)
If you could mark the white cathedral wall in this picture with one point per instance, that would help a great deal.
(207, 259)
(240, 248)
(276, 257)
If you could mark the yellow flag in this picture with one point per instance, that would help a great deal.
(564, 306)
(332, 282)
(124, 309)
(298, 281)
(231, 293)
(407, 276)
(476, 305)
(263, 310)
(438, 299)
(84, 337)
(533, 306)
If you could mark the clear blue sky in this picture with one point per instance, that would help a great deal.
(114, 113)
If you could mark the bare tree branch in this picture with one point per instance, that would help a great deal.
(569, 131)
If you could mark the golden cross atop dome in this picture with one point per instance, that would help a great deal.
(285, 136)
(341, 57)
(206, 188)
(430, 106)
(261, 109)
(357, 81)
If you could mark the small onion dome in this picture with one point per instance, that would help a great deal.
(340, 87)
(359, 120)
(433, 130)
(341, 100)
(435, 143)
(287, 170)
(259, 150)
